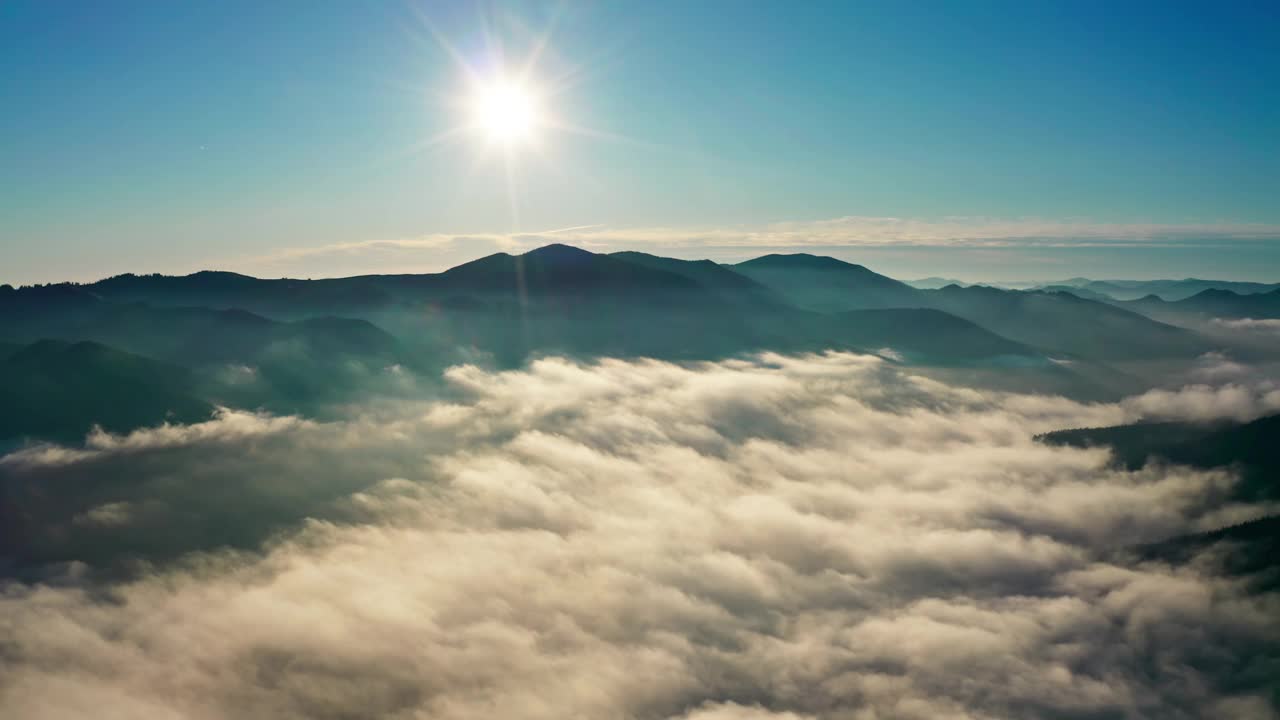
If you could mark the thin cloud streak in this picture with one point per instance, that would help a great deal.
(850, 231)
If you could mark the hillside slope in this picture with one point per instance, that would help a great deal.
(59, 390)
(1253, 448)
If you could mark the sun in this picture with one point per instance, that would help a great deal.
(505, 111)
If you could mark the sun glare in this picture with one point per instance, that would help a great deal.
(506, 112)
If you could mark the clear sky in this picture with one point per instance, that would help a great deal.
(983, 140)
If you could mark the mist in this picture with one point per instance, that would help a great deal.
(806, 536)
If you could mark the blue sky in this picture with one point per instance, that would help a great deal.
(985, 140)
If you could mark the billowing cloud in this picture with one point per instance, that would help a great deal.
(1235, 400)
(778, 538)
(1217, 367)
(1264, 326)
(226, 428)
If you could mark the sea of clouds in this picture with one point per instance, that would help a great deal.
(822, 536)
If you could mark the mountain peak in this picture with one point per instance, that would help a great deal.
(558, 252)
(798, 260)
(220, 275)
(1215, 293)
(976, 289)
(560, 269)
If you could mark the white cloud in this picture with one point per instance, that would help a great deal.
(1219, 367)
(1262, 326)
(439, 251)
(782, 538)
(734, 711)
(227, 426)
(111, 514)
(1234, 401)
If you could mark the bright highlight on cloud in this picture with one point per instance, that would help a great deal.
(766, 539)
(1264, 326)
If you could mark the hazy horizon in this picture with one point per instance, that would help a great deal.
(1125, 142)
(902, 263)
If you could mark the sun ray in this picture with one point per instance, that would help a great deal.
(505, 105)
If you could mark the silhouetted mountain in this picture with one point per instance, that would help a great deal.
(200, 336)
(1058, 322)
(293, 365)
(26, 313)
(560, 299)
(1077, 291)
(553, 299)
(556, 273)
(602, 291)
(1067, 324)
(1170, 290)
(56, 389)
(678, 309)
(827, 284)
(560, 271)
(932, 335)
(226, 290)
(933, 283)
(710, 275)
(1253, 447)
(1210, 304)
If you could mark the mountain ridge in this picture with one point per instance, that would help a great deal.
(295, 343)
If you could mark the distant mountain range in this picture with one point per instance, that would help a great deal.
(933, 283)
(298, 344)
(1248, 300)
(1058, 322)
(1207, 304)
(123, 365)
(1077, 291)
(1165, 289)
(1110, 290)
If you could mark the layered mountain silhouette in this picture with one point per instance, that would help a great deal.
(1081, 292)
(60, 390)
(1211, 303)
(191, 335)
(562, 271)
(712, 276)
(1055, 321)
(937, 335)
(933, 283)
(225, 356)
(226, 290)
(1170, 290)
(561, 277)
(827, 284)
(1068, 324)
(290, 344)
